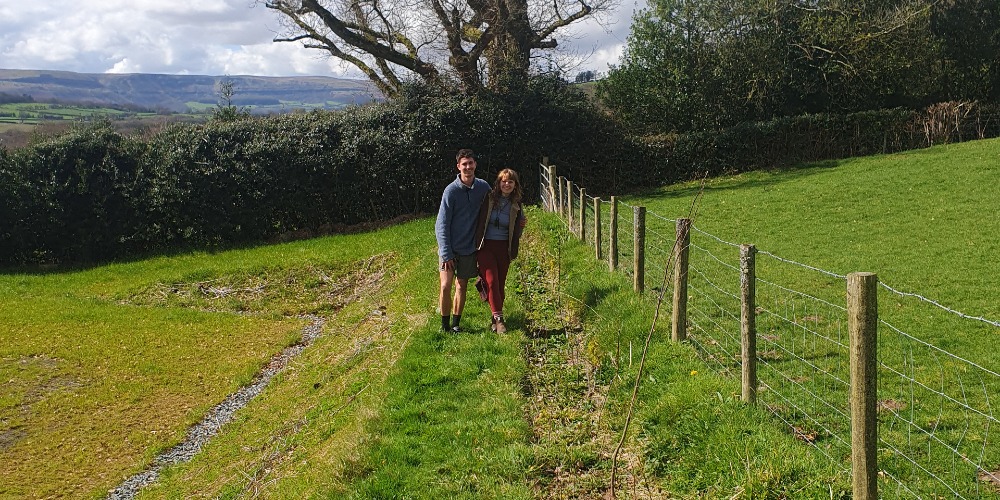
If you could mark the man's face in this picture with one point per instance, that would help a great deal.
(467, 167)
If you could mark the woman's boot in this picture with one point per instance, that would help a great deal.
(498, 325)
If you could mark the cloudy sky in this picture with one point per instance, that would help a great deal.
(205, 37)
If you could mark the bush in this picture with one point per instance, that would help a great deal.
(76, 198)
(790, 141)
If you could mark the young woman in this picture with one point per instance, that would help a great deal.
(498, 233)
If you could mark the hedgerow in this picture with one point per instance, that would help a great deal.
(94, 195)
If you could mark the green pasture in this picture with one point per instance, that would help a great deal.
(104, 368)
(923, 221)
(34, 113)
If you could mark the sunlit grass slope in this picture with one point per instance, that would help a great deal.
(925, 220)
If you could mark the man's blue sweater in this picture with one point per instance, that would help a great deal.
(456, 220)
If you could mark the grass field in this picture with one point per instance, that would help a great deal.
(34, 113)
(923, 221)
(104, 368)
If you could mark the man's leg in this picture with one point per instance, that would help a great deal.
(460, 286)
(444, 296)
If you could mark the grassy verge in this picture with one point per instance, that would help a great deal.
(382, 406)
(691, 436)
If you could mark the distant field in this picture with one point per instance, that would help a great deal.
(16, 127)
(34, 113)
(19, 122)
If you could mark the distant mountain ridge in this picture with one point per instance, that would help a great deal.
(177, 92)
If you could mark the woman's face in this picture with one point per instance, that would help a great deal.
(507, 186)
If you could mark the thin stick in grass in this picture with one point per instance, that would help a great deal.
(645, 348)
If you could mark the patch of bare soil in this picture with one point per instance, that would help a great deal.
(990, 478)
(46, 379)
(10, 437)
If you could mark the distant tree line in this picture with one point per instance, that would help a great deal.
(586, 76)
(711, 64)
(6, 98)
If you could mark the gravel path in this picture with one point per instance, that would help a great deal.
(199, 434)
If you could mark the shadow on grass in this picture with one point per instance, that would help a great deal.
(740, 181)
(55, 268)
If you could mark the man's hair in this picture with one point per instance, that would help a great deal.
(464, 153)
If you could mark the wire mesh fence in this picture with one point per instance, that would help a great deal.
(935, 414)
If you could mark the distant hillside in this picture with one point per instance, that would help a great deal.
(182, 93)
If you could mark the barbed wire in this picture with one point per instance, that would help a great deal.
(939, 305)
(714, 237)
(715, 258)
(812, 268)
(658, 216)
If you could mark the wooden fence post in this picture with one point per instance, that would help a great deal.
(552, 188)
(583, 215)
(569, 205)
(862, 323)
(560, 204)
(679, 317)
(748, 321)
(597, 228)
(639, 240)
(613, 235)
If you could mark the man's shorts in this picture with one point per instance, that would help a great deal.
(465, 266)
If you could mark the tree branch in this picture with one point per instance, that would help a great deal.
(539, 42)
(348, 32)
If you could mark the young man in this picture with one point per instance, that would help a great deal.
(455, 230)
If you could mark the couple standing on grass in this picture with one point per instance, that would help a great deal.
(478, 230)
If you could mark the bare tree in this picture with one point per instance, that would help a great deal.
(481, 43)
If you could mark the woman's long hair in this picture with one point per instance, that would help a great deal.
(515, 195)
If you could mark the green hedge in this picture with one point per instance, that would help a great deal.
(790, 141)
(94, 195)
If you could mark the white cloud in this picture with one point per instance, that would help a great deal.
(212, 37)
(125, 66)
(596, 43)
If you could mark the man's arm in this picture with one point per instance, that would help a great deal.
(442, 229)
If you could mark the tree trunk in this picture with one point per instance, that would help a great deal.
(508, 56)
